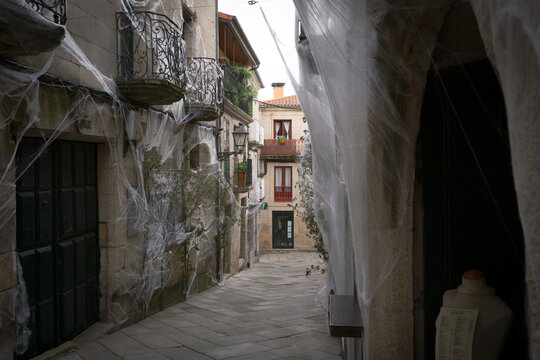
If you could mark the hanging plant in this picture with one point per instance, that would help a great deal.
(241, 167)
(282, 139)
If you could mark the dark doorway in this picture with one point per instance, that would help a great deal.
(57, 239)
(282, 229)
(471, 218)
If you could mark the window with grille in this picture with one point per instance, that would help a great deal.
(283, 183)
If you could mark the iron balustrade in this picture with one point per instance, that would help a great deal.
(236, 91)
(52, 10)
(204, 82)
(150, 46)
(283, 193)
(290, 147)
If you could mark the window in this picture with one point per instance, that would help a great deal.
(227, 134)
(282, 128)
(283, 183)
(227, 170)
(198, 156)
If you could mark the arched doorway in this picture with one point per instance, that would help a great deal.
(469, 208)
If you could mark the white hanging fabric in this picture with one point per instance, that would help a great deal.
(288, 176)
(278, 177)
(277, 125)
(287, 126)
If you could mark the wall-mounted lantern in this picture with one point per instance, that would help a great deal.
(240, 136)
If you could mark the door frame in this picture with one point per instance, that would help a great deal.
(274, 215)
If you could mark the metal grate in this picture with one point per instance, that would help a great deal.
(204, 82)
(150, 46)
(52, 10)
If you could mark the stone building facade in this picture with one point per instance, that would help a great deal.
(112, 195)
(282, 228)
(242, 81)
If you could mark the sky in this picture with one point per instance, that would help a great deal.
(280, 14)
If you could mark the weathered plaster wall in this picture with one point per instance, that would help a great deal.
(301, 240)
(202, 39)
(93, 28)
(268, 115)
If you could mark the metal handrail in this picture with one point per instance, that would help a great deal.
(52, 10)
(204, 82)
(150, 46)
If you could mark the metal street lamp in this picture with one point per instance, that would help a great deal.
(240, 136)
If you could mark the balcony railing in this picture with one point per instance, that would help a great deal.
(274, 147)
(283, 193)
(237, 92)
(151, 58)
(52, 10)
(31, 27)
(204, 87)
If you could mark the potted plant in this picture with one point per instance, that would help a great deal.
(282, 139)
(240, 170)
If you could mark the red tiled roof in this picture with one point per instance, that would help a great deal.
(225, 16)
(291, 101)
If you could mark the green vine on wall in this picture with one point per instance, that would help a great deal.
(244, 92)
(305, 206)
(188, 197)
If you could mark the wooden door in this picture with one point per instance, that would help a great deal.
(57, 239)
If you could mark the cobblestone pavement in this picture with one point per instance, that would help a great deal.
(266, 312)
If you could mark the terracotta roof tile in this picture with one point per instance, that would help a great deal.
(225, 16)
(291, 101)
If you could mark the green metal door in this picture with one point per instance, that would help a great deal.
(57, 238)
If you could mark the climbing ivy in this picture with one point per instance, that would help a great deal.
(305, 205)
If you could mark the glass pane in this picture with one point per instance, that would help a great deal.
(278, 176)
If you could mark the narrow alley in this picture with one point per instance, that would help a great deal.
(266, 312)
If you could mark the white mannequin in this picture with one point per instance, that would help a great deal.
(494, 317)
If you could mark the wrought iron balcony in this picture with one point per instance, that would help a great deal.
(24, 33)
(151, 58)
(236, 92)
(272, 147)
(204, 88)
(52, 10)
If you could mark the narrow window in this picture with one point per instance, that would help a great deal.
(283, 183)
(282, 128)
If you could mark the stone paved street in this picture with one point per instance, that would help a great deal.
(266, 312)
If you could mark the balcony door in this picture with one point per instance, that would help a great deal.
(282, 128)
(283, 184)
(282, 229)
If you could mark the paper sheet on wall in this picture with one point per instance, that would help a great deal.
(455, 333)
